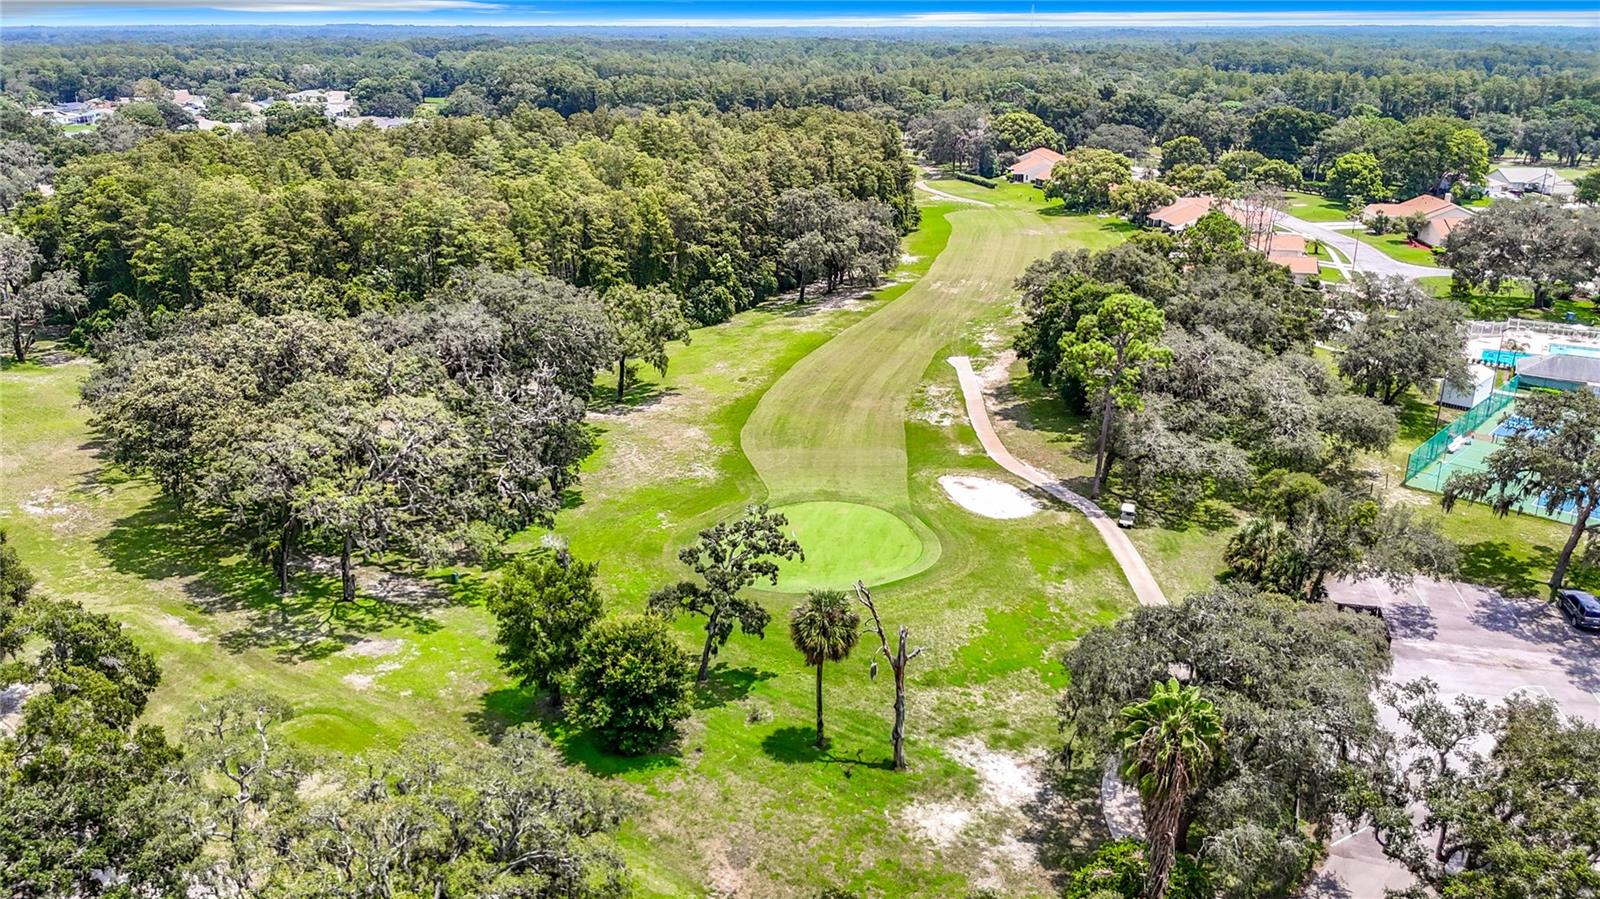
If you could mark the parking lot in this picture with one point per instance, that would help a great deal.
(1471, 641)
(1474, 641)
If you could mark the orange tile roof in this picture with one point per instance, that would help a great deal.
(1299, 264)
(1288, 244)
(1040, 153)
(1036, 163)
(1427, 204)
(1183, 212)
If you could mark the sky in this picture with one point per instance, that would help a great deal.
(981, 14)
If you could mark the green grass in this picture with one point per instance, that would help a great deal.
(849, 541)
(740, 803)
(1315, 208)
(76, 129)
(1397, 248)
(1513, 301)
(833, 426)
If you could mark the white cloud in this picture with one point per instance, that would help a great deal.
(23, 7)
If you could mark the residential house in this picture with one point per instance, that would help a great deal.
(1181, 213)
(1287, 250)
(1517, 180)
(1443, 216)
(187, 100)
(1034, 166)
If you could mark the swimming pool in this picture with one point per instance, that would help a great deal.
(1568, 349)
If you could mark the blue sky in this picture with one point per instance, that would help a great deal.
(868, 13)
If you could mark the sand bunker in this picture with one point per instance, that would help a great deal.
(991, 499)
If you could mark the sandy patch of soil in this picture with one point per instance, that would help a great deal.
(43, 504)
(729, 861)
(374, 649)
(358, 681)
(940, 822)
(181, 629)
(989, 498)
(939, 404)
(1007, 780)
(11, 699)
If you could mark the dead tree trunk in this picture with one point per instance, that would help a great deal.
(898, 660)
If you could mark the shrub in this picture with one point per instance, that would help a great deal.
(977, 179)
(1118, 868)
(630, 685)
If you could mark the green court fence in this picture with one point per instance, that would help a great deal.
(1435, 446)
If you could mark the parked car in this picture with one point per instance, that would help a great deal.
(1580, 608)
(1125, 519)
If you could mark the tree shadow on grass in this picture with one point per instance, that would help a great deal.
(796, 745)
(724, 685)
(508, 707)
(638, 395)
(159, 542)
(516, 706)
(1065, 823)
(1491, 564)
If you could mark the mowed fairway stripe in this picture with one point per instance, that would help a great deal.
(833, 427)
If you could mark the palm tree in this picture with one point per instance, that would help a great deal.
(824, 628)
(1169, 741)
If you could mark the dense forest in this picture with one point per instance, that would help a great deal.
(1066, 81)
(350, 220)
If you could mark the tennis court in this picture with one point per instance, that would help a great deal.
(1464, 444)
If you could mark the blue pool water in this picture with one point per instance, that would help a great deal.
(1567, 349)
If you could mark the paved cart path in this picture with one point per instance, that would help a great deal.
(1122, 549)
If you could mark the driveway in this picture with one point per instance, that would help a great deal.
(1366, 259)
(1474, 642)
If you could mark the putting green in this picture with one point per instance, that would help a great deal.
(846, 542)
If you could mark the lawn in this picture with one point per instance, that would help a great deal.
(1397, 247)
(1315, 208)
(741, 804)
(1513, 301)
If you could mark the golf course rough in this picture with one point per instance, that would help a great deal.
(828, 437)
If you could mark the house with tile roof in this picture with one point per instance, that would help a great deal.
(1443, 216)
(1034, 166)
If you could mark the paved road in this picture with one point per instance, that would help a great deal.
(1122, 549)
(925, 186)
(1367, 259)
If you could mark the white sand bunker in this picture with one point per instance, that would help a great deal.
(991, 499)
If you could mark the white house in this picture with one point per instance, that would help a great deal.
(1516, 180)
(1034, 166)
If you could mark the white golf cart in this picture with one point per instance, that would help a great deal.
(1125, 518)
